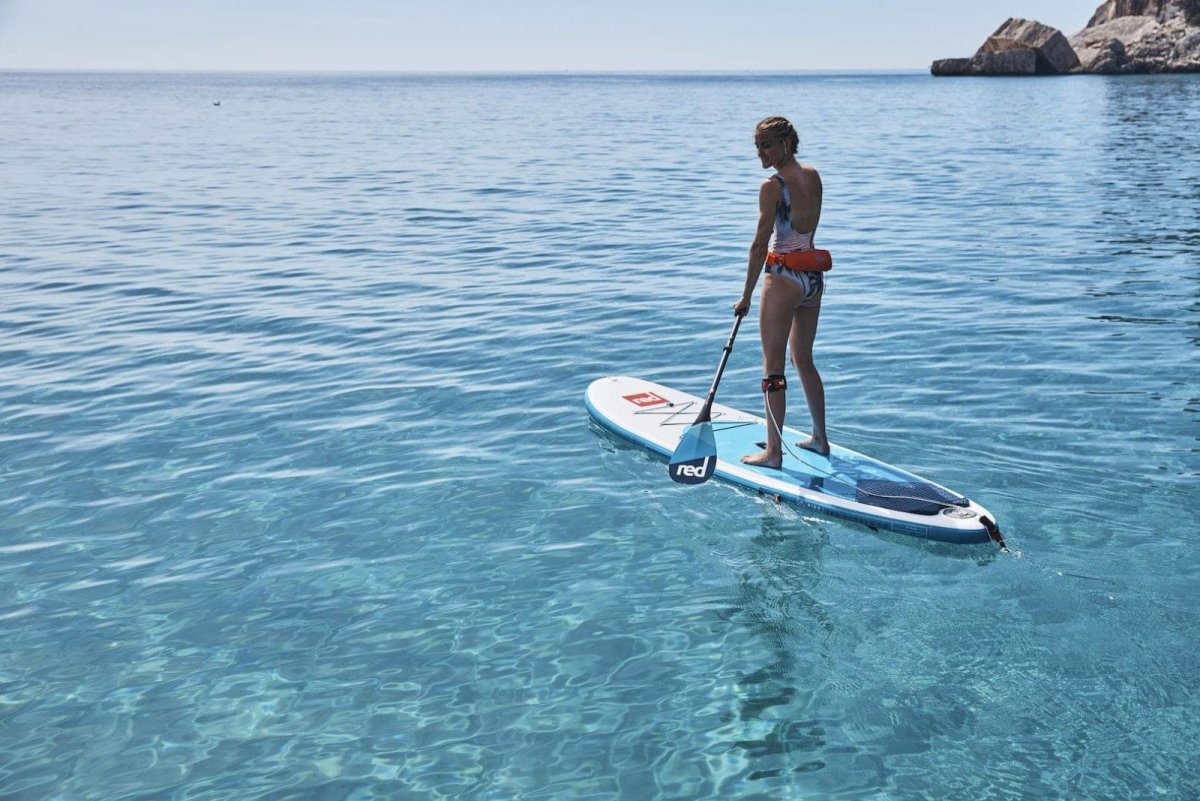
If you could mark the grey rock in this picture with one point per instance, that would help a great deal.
(1173, 46)
(951, 66)
(1018, 47)
(1053, 52)
(1017, 61)
(1013, 61)
(1102, 56)
(1103, 48)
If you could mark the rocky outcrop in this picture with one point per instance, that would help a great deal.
(1018, 61)
(1160, 40)
(1123, 36)
(1054, 53)
(1018, 47)
(1102, 47)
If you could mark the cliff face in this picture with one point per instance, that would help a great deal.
(1123, 36)
(1113, 9)
(1139, 36)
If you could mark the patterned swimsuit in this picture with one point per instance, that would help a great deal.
(784, 239)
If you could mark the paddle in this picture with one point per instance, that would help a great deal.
(695, 457)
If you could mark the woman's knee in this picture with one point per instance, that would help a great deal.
(773, 363)
(804, 363)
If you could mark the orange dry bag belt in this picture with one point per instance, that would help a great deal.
(803, 261)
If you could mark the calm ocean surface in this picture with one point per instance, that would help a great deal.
(301, 501)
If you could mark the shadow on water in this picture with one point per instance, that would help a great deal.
(773, 604)
(779, 734)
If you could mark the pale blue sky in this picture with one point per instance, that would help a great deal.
(520, 35)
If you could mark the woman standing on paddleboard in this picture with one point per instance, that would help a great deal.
(789, 208)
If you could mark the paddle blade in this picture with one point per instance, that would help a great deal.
(695, 457)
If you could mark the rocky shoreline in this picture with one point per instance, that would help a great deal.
(1123, 36)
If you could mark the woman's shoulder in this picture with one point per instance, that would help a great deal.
(772, 185)
(809, 175)
(798, 172)
(809, 171)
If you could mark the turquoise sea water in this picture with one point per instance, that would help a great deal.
(300, 499)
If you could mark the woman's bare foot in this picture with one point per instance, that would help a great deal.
(764, 459)
(820, 448)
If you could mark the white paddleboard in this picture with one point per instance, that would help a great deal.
(845, 484)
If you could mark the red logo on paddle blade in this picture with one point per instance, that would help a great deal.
(642, 399)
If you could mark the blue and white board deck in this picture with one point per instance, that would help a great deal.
(845, 484)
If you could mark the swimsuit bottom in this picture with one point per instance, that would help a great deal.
(812, 283)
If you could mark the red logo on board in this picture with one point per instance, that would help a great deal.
(643, 399)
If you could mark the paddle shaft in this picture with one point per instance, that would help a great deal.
(706, 412)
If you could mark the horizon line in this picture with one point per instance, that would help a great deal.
(462, 73)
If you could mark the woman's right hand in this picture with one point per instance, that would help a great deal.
(741, 307)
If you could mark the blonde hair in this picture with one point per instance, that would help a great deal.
(781, 129)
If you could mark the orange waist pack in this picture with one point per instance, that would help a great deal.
(803, 261)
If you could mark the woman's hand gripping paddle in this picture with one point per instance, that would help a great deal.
(695, 457)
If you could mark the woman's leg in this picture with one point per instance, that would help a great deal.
(804, 332)
(774, 322)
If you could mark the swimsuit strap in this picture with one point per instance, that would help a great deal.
(787, 200)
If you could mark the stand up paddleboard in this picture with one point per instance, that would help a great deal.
(845, 484)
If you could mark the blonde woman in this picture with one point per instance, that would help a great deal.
(789, 208)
